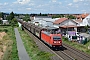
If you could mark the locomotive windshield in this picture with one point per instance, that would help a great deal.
(52, 30)
(56, 38)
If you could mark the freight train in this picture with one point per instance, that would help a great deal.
(49, 35)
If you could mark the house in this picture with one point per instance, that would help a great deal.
(63, 23)
(85, 21)
(66, 24)
(44, 21)
(39, 17)
(82, 22)
(5, 21)
(82, 16)
(32, 18)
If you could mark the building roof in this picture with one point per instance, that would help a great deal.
(69, 26)
(78, 21)
(60, 20)
(4, 20)
(82, 16)
(50, 28)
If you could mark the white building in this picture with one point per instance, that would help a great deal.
(5, 21)
(85, 21)
(44, 21)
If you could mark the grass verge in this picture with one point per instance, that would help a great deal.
(11, 50)
(81, 47)
(32, 49)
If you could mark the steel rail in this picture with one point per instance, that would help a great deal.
(48, 48)
(78, 53)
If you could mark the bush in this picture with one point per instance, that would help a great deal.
(11, 53)
(5, 30)
(65, 38)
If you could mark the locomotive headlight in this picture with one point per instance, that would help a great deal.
(59, 42)
(55, 42)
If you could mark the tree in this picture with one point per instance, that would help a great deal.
(57, 16)
(1, 15)
(86, 27)
(0, 21)
(26, 18)
(62, 15)
(71, 17)
(40, 14)
(8, 18)
(11, 15)
(14, 20)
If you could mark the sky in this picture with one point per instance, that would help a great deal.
(45, 6)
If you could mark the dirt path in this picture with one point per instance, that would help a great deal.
(2, 47)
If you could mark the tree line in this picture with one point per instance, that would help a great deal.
(12, 17)
(62, 15)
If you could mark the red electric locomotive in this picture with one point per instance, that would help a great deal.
(51, 36)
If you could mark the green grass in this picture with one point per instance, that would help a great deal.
(32, 48)
(11, 52)
(81, 47)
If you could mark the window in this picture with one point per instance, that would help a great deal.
(56, 38)
(74, 37)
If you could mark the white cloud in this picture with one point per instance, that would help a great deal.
(31, 4)
(60, 2)
(10, 9)
(54, 0)
(66, 1)
(28, 8)
(22, 1)
(5, 3)
(44, 6)
(70, 4)
(83, 10)
(77, 0)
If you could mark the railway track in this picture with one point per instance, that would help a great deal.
(69, 53)
(64, 55)
(58, 55)
(76, 54)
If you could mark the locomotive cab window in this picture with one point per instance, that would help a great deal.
(56, 38)
(54, 31)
